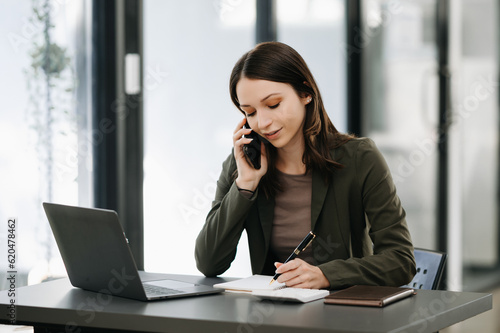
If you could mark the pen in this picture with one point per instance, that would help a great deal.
(301, 247)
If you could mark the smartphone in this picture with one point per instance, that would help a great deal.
(252, 150)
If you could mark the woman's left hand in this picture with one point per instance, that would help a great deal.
(299, 274)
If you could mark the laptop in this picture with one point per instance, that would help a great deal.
(97, 257)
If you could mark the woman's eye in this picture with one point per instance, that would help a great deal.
(274, 106)
(250, 114)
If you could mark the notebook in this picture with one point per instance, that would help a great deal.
(258, 285)
(249, 284)
(97, 257)
(298, 295)
(378, 296)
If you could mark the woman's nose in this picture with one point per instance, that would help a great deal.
(264, 119)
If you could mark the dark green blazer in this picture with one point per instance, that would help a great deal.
(362, 235)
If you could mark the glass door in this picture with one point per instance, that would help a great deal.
(476, 109)
(400, 103)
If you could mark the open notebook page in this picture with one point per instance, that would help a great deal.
(249, 284)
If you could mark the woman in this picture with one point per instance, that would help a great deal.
(311, 178)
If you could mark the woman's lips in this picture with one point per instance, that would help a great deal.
(272, 135)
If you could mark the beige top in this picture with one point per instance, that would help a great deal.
(292, 216)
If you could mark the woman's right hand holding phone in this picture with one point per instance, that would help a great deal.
(248, 177)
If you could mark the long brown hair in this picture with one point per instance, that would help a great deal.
(278, 62)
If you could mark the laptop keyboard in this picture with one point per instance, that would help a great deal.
(160, 291)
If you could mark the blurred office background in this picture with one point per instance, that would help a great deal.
(125, 105)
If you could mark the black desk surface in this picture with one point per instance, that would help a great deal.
(72, 309)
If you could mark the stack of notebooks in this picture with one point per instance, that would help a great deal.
(258, 285)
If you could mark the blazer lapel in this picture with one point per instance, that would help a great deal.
(336, 228)
(319, 189)
(266, 215)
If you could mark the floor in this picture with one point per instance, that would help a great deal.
(488, 322)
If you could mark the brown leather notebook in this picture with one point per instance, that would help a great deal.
(368, 295)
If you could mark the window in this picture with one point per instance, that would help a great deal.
(316, 29)
(46, 152)
(190, 48)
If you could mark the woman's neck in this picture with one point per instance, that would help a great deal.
(289, 160)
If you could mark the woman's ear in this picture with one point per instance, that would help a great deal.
(306, 99)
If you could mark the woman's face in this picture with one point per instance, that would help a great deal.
(273, 110)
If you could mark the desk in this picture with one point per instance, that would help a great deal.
(58, 307)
